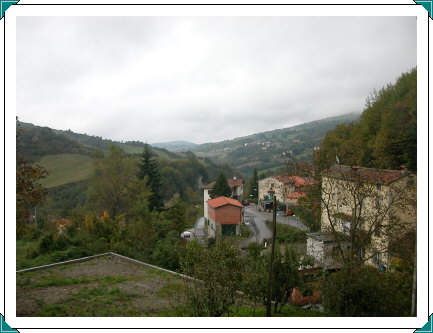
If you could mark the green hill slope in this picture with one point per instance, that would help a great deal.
(269, 149)
(65, 168)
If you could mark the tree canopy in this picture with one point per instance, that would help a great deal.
(221, 187)
(148, 167)
(385, 135)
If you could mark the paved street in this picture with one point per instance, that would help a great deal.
(258, 226)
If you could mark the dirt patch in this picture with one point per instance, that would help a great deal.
(104, 286)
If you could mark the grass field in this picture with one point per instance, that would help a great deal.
(65, 168)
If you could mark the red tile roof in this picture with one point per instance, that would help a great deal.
(232, 183)
(296, 180)
(209, 186)
(296, 195)
(222, 201)
(364, 174)
(235, 182)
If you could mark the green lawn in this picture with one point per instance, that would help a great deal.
(65, 168)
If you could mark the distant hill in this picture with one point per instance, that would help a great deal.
(175, 145)
(269, 150)
(68, 158)
(38, 141)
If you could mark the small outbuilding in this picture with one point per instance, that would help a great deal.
(224, 217)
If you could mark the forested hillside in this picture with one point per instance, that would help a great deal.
(385, 135)
(270, 149)
(38, 141)
(69, 159)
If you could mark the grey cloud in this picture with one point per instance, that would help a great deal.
(202, 78)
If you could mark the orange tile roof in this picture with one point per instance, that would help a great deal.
(235, 182)
(209, 186)
(296, 180)
(222, 201)
(296, 195)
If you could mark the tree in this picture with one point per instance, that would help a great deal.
(176, 215)
(363, 291)
(221, 187)
(29, 191)
(140, 234)
(254, 185)
(148, 167)
(113, 175)
(220, 270)
(286, 276)
(385, 135)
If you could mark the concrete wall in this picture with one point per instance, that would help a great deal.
(206, 197)
(315, 249)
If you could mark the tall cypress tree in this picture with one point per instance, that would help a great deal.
(254, 185)
(221, 187)
(149, 167)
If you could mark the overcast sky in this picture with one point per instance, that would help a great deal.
(202, 79)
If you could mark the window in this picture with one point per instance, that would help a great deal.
(345, 226)
(307, 292)
(376, 259)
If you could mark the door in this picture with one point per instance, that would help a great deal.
(228, 230)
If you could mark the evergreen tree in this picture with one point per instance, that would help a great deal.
(177, 217)
(254, 185)
(221, 187)
(149, 167)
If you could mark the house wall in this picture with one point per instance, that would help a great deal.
(389, 203)
(293, 201)
(211, 228)
(315, 249)
(227, 214)
(206, 197)
(238, 192)
(297, 298)
(281, 189)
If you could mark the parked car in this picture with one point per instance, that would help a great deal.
(289, 212)
(245, 202)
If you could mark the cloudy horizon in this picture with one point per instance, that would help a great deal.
(203, 79)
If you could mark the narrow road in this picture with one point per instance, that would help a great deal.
(258, 227)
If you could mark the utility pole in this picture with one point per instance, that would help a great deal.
(271, 264)
(36, 219)
(414, 289)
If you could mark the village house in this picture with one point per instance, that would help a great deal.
(293, 198)
(365, 208)
(224, 217)
(287, 189)
(237, 186)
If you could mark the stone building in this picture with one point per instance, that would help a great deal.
(366, 209)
